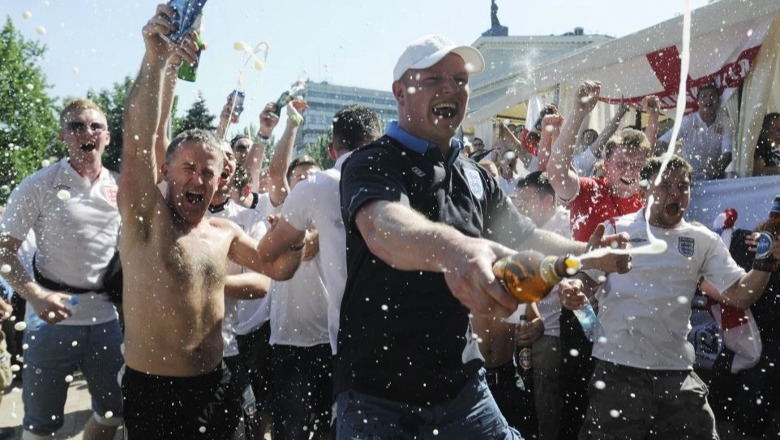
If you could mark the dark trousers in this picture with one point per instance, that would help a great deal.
(576, 372)
(515, 403)
(255, 353)
(301, 391)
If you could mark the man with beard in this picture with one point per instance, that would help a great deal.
(72, 207)
(423, 230)
(644, 385)
(175, 383)
(707, 136)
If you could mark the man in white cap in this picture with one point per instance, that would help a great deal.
(423, 225)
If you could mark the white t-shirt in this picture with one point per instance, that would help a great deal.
(703, 143)
(299, 307)
(253, 313)
(316, 201)
(646, 312)
(253, 224)
(550, 306)
(76, 225)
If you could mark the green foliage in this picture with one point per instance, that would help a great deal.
(319, 150)
(28, 121)
(113, 104)
(197, 116)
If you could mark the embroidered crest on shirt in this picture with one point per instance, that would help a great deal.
(418, 171)
(685, 246)
(475, 183)
(111, 191)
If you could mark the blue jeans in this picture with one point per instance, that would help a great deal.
(473, 414)
(51, 355)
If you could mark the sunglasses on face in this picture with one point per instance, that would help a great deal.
(81, 127)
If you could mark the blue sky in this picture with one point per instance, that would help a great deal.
(93, 43)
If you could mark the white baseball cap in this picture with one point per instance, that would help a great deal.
(430, 49)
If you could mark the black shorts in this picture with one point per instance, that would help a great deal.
(162, 407)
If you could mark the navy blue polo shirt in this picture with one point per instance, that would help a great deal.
(402, 334)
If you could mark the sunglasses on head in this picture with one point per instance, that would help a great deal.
(81, 127)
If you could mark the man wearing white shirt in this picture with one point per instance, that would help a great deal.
(707, 136)
(644, 380)
(316, 200)
(71, 206)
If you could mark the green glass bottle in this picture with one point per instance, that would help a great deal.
(187, 71)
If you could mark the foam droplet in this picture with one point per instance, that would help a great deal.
(109, 414)
(258, 65)
(15, 368)
(749, 32)
(202, 429)
(45, 163)
(74, 343)
(682, 299)
(20, 326)
(69, 378)
(76, 70)
(29, 86)
(26, 15)
(40, 30)
(51, 315)
(63, 194)
(411, 90)
(5, 189)
(6, 268)
(599, 384)
(614, 413)
(240, 46)
(574, 352)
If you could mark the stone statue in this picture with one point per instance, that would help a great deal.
(496, 30)
(494, 23)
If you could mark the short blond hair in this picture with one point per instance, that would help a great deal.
(78, 105)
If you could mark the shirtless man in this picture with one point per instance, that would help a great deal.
(173, 258)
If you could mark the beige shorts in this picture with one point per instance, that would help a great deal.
(6, 376)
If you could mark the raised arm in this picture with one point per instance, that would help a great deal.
(138, 193)
(551, 130)
(651, 106)
(610, 129)
(277, 169)
(562, 175)
(256, 154)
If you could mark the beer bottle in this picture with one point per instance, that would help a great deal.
(524, 356)
(529, 276)
(187, 71)
(769, 230)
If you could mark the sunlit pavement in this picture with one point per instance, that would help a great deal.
(77, 410)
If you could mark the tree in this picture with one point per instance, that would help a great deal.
(319, 150)
(197, 116)
(28, 122)
(112, 102)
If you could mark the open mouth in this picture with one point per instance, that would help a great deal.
(673, 209)
(88, 147)
(445, 110)
(193, 198)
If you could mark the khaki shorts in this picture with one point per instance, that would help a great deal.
(6, 376)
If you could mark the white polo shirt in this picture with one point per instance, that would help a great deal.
(316, 201)
(253, 224)
(646, 311)
(76, 225)
(703, 143)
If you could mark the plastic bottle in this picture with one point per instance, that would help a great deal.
(589, 322)
(529, 276)
(187, 71)
(236, 100)
(769, 230)
(187, 13)
(34, 322)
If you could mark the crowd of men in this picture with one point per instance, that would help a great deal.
(360, 301)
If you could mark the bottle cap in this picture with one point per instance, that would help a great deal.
(573, 265)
